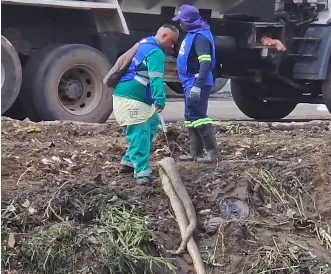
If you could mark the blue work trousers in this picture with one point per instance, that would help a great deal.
(196, 111)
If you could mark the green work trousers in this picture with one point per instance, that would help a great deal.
(140, 137)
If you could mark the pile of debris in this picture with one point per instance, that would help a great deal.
(65, 208)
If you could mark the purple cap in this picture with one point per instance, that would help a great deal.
(187, 12)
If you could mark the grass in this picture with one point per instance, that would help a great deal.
(118, 241)
(277, 259)
(126, 242)
(53, 249)
(268, 260)
(280, 255)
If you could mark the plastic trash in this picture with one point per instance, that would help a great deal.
(234, 209)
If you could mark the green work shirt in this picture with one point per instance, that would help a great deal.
(155, 62)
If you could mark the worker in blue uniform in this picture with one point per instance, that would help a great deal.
(195, 62)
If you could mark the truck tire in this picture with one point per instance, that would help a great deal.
(29, 73)
(326, 88)
(16, 111)
(11, 74)
(68, 85)
(245, 95)
(219, 84)
(176, 87)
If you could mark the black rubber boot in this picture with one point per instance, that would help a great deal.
(143, 180)
(126, 169)
(209, 141)
(196, 146)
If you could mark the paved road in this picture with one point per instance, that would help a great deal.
(224, 109)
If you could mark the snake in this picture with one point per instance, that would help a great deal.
(183, 209)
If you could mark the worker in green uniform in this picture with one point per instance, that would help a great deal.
(138, 97)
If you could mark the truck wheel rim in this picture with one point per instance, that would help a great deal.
(80, 90)
(3, 74)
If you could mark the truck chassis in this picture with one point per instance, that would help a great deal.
(55, 54)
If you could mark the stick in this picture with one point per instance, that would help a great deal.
(19, 179)
(50, 201)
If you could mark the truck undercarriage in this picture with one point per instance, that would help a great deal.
(266, 84)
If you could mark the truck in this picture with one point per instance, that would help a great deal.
(54, 53)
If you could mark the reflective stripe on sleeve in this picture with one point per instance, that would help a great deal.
(204, 58)
(141, 80)
(155, 74)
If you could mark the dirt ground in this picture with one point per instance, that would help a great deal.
(282, 173)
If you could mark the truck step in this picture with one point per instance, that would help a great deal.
(306, 47)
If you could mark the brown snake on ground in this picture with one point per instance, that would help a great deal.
(183, 209)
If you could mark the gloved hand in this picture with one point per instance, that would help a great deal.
(195, 93)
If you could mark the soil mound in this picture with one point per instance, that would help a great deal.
(65, 208)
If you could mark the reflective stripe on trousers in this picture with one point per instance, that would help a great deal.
(196, 111)
(198, 123)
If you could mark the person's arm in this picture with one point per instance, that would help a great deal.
(203, 49)
(155, 62)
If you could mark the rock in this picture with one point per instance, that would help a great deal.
(93, 240)
(213, 224)
(11, 208)
(68, 161)
(74, 156)
(55, 159)
(31, 210)
(113, 199)
(268, 206)
(46, 161)
(205, 211)
(85, 170)
(290, 213)
(264, 212)
(26, 204)
(101, 230)
(11, 240)
(217, 181)
(239, 152)
(47, 145)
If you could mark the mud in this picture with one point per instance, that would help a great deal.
(75, 166)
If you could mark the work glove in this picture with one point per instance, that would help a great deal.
(195, 93)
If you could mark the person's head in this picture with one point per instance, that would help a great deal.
(190, 19)
(167, 35)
